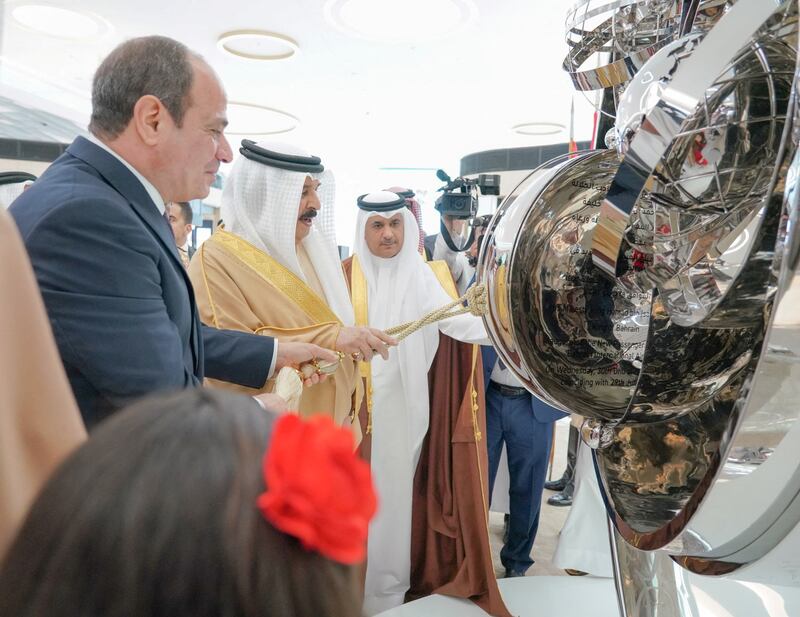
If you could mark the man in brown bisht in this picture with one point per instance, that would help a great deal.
(275, 269)
(427, 458)
(39, 420)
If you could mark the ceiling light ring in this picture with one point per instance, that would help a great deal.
(235, 35)
(259, 133)
(545, 128)
(102, 26)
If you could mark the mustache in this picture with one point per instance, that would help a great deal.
(310, 213)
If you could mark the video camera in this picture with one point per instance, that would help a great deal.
(459, 199)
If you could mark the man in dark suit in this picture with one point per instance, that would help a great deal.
(179, 214)
(525, 424)
(120, 303)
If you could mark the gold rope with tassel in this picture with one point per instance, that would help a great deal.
(476, 303)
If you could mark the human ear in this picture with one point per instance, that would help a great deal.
(148, 119)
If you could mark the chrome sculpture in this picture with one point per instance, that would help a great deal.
(635, 28)
(653, 288)
(619, 36)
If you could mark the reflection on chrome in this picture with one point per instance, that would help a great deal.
(709, 167)
(634, 29)
(580, 340)
(654, 289)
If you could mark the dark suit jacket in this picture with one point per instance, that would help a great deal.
(541, 410)
(120, 303)
(430, 245)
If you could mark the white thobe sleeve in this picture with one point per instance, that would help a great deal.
(466, 328)
(457, 262)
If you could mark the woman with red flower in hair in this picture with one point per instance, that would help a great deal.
(199, 504)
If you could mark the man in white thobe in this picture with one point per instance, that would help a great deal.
(399, 288)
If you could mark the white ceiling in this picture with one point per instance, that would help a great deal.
(363, 105)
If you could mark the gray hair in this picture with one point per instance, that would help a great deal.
(154, 65)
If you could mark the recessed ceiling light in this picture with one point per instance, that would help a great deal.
(59, 22)
(257, 45)
(538, 128)
(249, 119)
(391, 21)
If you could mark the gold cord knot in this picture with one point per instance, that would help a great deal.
(476, 301)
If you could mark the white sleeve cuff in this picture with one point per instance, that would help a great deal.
(274, 360)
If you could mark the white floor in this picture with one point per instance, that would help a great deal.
(528, 596)
(547, 592)
(567, 596)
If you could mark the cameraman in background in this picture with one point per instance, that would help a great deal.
(462, 263)
(460, 228)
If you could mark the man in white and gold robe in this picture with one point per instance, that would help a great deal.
(426, 422)
(275, 270)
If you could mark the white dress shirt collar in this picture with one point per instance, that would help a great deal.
(148, 186)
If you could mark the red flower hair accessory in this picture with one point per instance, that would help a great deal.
(318, 490)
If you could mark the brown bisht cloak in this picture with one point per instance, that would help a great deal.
(450, 550)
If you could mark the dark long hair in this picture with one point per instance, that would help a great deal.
(155, 516)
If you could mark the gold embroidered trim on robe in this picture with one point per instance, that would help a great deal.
(275, 274)
(442, 272)
(476, 428)
(358, 287)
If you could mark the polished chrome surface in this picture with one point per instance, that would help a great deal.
(764, 458)
(495, 256)
(654, 289)
(703, 220)
(659, 476)
(609, 42)
(632, 30)
(596, 434)
(649, 584)
(562, 310)
(700, 129)
(578, 339)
